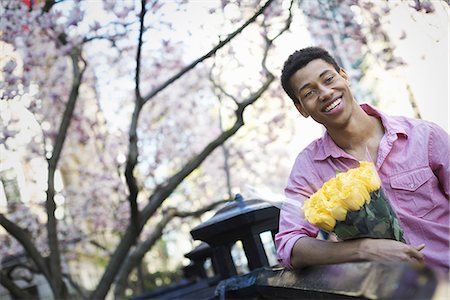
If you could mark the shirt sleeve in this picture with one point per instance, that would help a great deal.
(439, 156)
(292, 225)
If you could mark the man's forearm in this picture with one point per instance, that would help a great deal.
(309, 251)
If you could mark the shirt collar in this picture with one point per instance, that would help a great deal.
(328, 147)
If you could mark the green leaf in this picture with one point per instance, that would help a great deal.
(370, 214)
(344, 231)
(381, 229)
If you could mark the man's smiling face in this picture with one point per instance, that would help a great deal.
(324, 93)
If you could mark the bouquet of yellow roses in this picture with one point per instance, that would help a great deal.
(353, 205)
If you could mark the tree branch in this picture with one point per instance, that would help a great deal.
(162, 192)
(67, 116)
(209, 54)
(13, 288)
(48, 5)
(56, 282)
(133, 151)
(269, 42)
(99, 246)
(199, 212)
(81, 292)
(134, 258)
(139, 50)
(220, 88)
(225, 151)
(287, 23)
(24, 239)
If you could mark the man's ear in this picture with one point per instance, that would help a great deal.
(343, 74)
(301, 110)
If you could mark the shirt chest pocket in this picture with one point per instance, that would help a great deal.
(413, 190)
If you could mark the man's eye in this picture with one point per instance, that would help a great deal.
(308, 94)
(329, 79)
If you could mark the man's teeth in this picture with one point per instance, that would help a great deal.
(333, 105)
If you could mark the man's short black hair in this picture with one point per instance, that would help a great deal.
(298, 60)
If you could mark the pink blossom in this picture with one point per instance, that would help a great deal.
(95, 26)
(428, 7)
(9, 66)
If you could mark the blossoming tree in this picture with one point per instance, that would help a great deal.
(55, 78)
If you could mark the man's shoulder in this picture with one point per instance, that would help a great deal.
(425, 124)
(413, 125)
(312, 148)
(307, 155)
(400, 123)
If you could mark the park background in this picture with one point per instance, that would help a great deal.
(125, 123)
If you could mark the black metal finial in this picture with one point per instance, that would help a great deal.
(240, 200)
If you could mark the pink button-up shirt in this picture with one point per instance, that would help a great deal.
(413, 164)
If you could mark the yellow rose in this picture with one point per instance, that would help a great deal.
(339, 212)
(368, 174)
(361, 188)
(355, 195)
(327, 223)
(323, 219)
(309, 206)
(317, 212)
(329, 188)
(345, 178)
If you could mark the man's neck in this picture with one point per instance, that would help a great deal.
(361, 136)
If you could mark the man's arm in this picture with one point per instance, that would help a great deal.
(309, 251)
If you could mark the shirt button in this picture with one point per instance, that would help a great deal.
(411, 185)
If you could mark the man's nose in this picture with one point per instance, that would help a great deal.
(325, 93)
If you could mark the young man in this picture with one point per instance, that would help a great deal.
(411, 157)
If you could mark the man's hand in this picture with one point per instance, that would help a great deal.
(390, 250)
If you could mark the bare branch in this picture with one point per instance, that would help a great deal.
(413, 102)
(287, 23)
(13, 288)
(225, 151)
(199, 212)
(77, 75)
(134, 258)
(101, 37)
(99, 246)
(48, 5)
(220, 88)
(56, 282)
(25, 240)
(209, 54)
(81, 292)
(133, 151)
(162, 192)
(26, 266)
(269, 42)
(139, 50)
